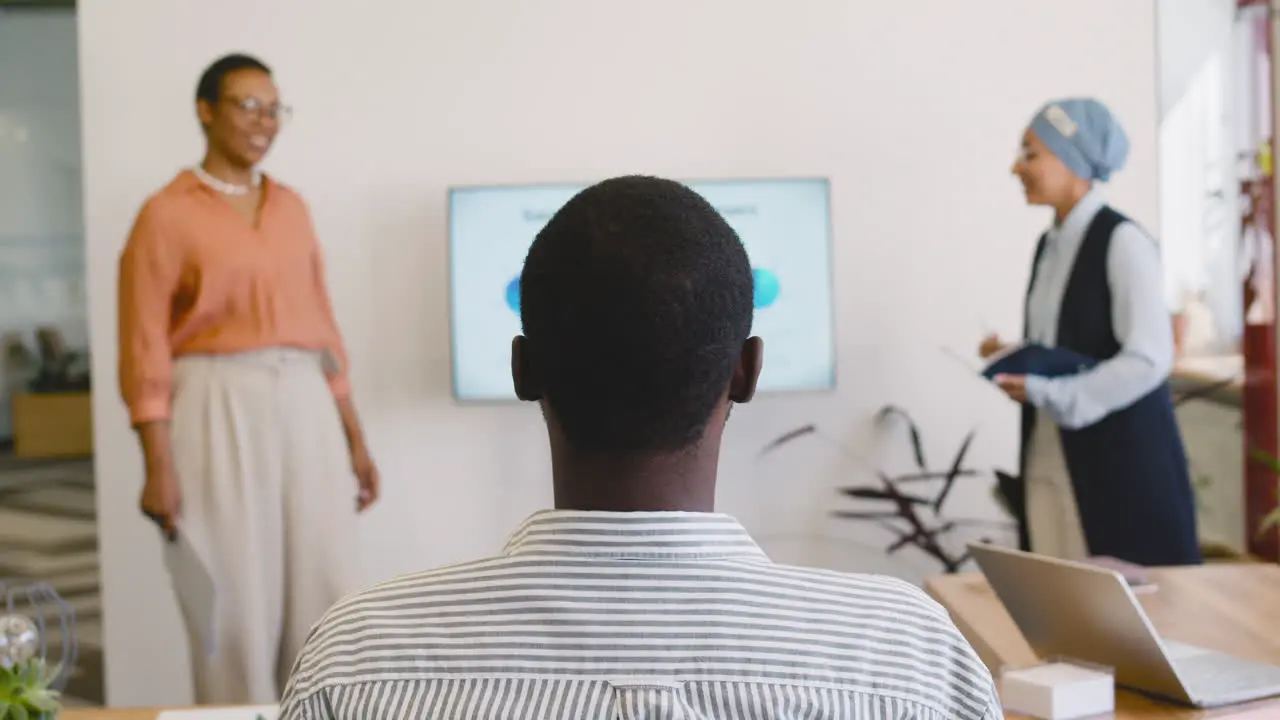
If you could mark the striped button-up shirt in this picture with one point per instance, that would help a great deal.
(596, 616)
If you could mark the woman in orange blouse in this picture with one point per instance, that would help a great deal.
(235, 377)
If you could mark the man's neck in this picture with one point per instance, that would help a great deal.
(225, 170)
(684, 481)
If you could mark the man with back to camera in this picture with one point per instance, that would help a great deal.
(632, 598)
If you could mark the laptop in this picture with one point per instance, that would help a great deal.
(1088, 612)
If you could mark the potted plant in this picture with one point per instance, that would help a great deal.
(51, 401)
(36, 655)
(26, 691)
(910, 506)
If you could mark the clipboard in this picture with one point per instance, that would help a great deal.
(1030, 359)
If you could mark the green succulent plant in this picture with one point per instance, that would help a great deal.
(25, 693)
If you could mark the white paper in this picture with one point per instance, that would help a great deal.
(977, 365)
(258, 712)
(193, 584)
(970, 364)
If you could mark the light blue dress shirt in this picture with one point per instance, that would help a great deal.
(1139, 316)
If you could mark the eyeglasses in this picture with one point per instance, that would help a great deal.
(255, 108)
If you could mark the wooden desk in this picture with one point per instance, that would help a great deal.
(103, 714)
(1229, 607)
(1216, 380)
(112, 713)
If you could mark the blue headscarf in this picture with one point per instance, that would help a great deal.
(1084, 135)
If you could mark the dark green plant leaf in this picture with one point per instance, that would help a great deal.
(1265, 458)
(917, 447)
(957, 468)
(1272, 519)
(866, 493)
(788, 437)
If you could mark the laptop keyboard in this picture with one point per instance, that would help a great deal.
(1209, 674)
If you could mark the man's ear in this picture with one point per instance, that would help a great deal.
(747, 372)
(527, 384)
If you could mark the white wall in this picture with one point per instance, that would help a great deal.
(1199, 186)
(41, 233)
(1190, 32)
(913, 109)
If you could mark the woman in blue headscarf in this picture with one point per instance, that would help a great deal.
(1103, 465)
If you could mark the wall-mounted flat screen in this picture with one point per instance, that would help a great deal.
(785, 225)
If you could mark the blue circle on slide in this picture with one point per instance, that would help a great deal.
(513, 295)
(767, 288)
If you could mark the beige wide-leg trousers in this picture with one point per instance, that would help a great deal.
(1053, 519)
(269, 507)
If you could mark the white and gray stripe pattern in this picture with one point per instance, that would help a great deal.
(595, 616)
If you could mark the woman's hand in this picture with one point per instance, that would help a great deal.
(991, 345)
(161, 500)
(1015, 386)
(366, 472)
(367, 478)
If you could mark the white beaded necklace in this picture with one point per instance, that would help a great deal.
(225, 187)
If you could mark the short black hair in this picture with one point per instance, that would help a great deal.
(636, 303)
(209, 88)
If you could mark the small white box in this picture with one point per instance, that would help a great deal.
(1059, 689)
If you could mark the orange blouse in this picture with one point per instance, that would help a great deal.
(195, 278)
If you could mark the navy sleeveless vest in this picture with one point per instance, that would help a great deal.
(1129, 470)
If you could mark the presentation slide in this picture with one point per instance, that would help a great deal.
(784, 224)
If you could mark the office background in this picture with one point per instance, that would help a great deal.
(914, 110)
